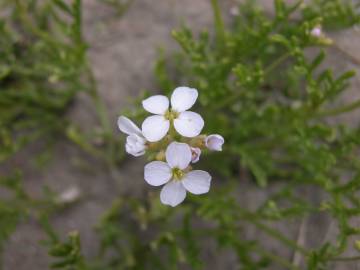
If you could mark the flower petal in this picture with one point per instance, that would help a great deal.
(183, 98)
(173, 193)
(155, 127)
(157, 173)
(128, 127)
(197, 182)
(189, 124)
(214, 142)
(156, 104)
(132, 152)
(178, 155)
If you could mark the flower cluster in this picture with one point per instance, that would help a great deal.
(172, 138)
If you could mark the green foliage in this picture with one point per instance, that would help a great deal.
(42, 62)
(257, 86)
(17, 206)
(125, 237)
(67, 254)
(272, 103)
(12, 207)
(43, 66)
(335, 13)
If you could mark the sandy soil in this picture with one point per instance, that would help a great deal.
(123, 51)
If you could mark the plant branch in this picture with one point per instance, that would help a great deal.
(281, 261)
(345, 109)
(250, 217)
(230, 100)
(219, 23)
(355, 258)
(103, 115)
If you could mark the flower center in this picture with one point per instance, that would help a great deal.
(171, 115)
(177, 174)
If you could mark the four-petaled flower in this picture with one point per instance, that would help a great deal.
(186, 123)
(175, 174)
(135, 142)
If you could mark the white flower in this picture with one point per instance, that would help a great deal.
(135, 142)
(214, 142)
(195, 154)
(186, 123)
(173, 174)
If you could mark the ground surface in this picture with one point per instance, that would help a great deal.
(123, 51)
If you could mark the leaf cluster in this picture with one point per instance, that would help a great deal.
(273, 102)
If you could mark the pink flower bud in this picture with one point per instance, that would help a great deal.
(316, 32)
(195, 154)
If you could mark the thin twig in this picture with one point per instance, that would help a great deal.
(356, 258)
(347, 108)
(275, 258)
(219, 23)
(251, 218)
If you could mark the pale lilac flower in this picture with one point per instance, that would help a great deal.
(135, 142)
(319, 36)
(174, 175)
(186, 123)
(316, 32)
(195, 154)
(214, 142)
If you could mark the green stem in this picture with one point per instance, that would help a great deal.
(277, 235)
(281, 261)
(272, 232)
(262, 251)
(347, 108)
(356, 258)
(86, 147)
(99, 104)
(219, 23)
(276, 63)
(103, 115)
